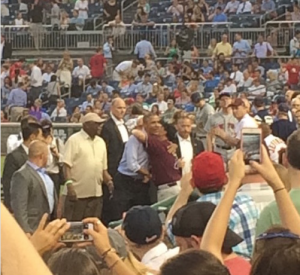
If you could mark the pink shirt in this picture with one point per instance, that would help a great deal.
(238, 266)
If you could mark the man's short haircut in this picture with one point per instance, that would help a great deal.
(148, 116)
(293, 150)
(137, 109)
(32, 128)
(28, 119)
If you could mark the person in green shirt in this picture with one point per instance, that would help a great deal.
(270, 214)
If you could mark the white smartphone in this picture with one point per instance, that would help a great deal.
(76, 234)
(251, 144)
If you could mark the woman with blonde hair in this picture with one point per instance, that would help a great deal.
(212, 46)
(273, 84)
(65, 68)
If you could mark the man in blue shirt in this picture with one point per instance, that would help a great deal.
(108, 49)
(219, 16)
(241, 48)
(132, 179)
(93, 88)
(143, 48)
(17, 97)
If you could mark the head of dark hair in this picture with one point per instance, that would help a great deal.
(27, 119)
(148, 116)
(53, 78)
(46, 127)
(32, 128)
(293, 150)
(70, 261)
(194, 262)
(137, 109)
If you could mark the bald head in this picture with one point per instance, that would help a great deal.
(118, 108)
(36, 149)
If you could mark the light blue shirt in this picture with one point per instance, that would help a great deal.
(47, 182)
(144, 47)
(134, 158)
(93, 90)
(129, 91)
(17, 97)
(85, 104)
(108, 90)
(220, 18)
(268, 6)
(107, 51)
(144, 89)
(243, 47)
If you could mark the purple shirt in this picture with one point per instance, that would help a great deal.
(17, 97)
(162, 162)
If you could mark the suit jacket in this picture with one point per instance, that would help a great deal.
(196, 143)
(7, 50)
(29, 200)
(114, 144)
(13, 162)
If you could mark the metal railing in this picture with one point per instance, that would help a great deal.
(125, 5)
(160, 35)
(45, 37)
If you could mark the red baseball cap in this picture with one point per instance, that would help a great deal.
(208, 171)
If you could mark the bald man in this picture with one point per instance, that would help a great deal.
(32, 190)
(115, 135)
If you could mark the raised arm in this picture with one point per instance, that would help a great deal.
(140, 135)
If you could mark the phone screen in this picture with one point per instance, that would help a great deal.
(251, 147)
(75, 233)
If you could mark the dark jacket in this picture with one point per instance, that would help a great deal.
(13, 162)
(7, 50)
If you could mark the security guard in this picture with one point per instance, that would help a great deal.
(221, 121)
(203, 112)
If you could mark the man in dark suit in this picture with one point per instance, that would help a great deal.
(188, 147)
(32, 190)
(15, 159)
(115, 135)
(6, 49)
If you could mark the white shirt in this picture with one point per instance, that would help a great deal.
(82, 5)
(274, 144)
(175, 10)
(246, 122)
(158, 255)
(1, 49)
(62, 113)
(230, 89)
(162, 106)
(81, 72)
(124, 66)
(121, 127)
(237, 76)
(244, 7)
(186, 149)
(257, 91)
(13, 141)
(231, 6)
(47, 77)
(294, 46)
(36, 77)
(19, 22)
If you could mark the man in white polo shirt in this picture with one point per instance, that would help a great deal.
(125, 69)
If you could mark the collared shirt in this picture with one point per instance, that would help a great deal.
(134, 158)
(232, 6)
(62, 112)
(36, 77)
(246, 122)
(244, 7)
(49, 185)
(187, 153)
(224, 48)
(220, 18)
(87, 159)
(81, 72)
(242, 221)
(164, 169)
(93, 90)
(129, 91)
(82, 7)
(261, 50)
(243, 47)
(108, 89)
(17, 97)
(121, 126)
(85, 104)
(144, 88)
(158, 255)
(237, 76)
(107, 51)
(295, 47)
(168, 115)
(144, 47)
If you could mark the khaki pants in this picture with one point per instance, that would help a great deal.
(15, 113)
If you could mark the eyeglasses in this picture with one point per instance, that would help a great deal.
(266, 236)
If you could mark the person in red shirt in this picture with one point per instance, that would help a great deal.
(293, 68)
(16, 68)
(98, 64)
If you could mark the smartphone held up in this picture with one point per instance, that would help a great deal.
(251, 145)
(76, 232)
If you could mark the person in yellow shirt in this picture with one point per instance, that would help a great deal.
(223, 47)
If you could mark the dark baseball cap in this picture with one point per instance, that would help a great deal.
(237, 102)
(192, 219)
(283, 107)
(142, 225)
(196, 97)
